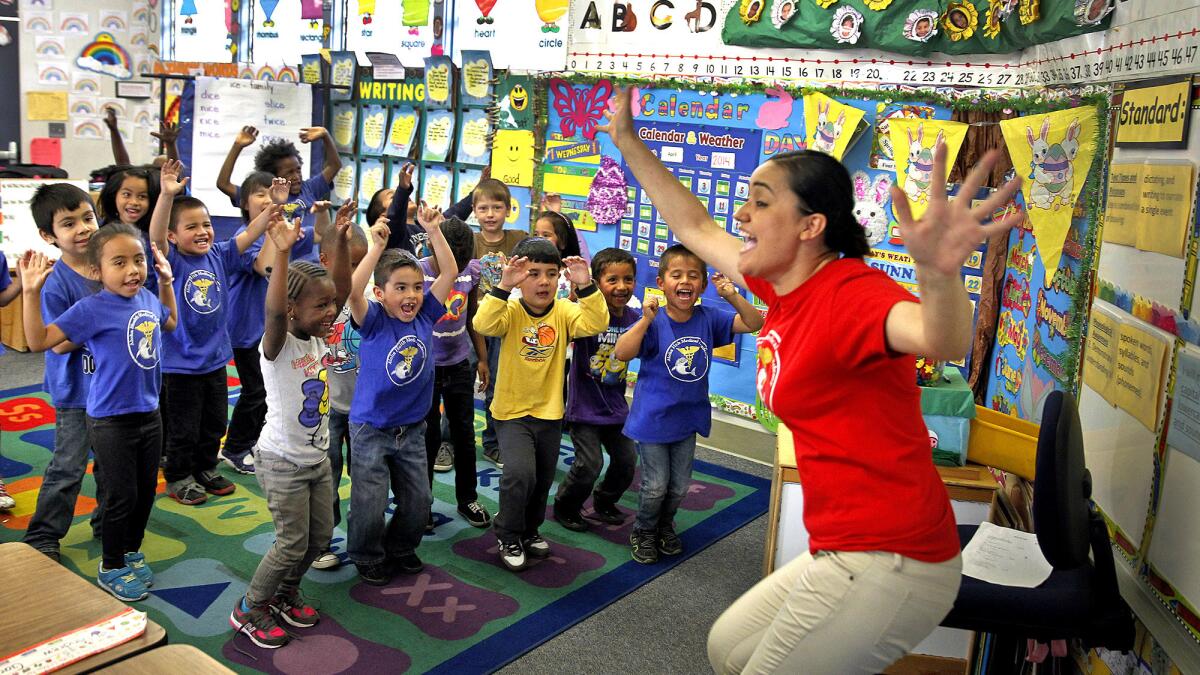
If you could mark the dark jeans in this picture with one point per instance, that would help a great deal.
(455, 385)
(128, 448)
(196, 406)
(387, 458)
(491, 444)
(589, 460)
(55, 508)
(250, 412)
(666, 475)
(529, 450)
(339, 433)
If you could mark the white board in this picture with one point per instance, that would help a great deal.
(18, 232)
(223, 107)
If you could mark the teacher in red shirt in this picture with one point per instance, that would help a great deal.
(837, 366)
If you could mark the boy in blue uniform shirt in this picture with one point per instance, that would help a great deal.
(196, 394)
(391, 399)
(66, 218)
(670, 400)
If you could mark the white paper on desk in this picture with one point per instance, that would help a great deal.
(1006, 557)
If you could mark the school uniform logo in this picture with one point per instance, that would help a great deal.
(537, 342)
(768, 367)
(202, 292)
(687, 359)
(406, 360)
(142, 339)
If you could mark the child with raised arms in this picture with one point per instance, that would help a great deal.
(391, 399)
(122, 328)
(292, 461)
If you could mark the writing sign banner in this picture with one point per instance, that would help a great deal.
(1155, 113)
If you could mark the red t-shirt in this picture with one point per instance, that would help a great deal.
(854, 408)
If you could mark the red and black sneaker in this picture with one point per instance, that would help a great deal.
(291, 607)
(259, 625)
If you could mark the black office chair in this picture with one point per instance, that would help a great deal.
(1081, 598)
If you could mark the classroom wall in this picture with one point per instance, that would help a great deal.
(53, 36)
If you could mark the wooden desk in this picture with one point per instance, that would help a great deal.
(64, 602)
(972, 490)
(185, 658)
(12, 332)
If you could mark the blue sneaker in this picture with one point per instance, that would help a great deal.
(243, 464)
(122, 583)
(137, 562)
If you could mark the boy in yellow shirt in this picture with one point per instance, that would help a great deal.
(534, 332)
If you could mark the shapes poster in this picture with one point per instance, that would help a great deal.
(439, 132)
(914, 141)
(372, 134)
(202, 31)
(435, 186)
(473, 137)
(1053, 152)
(402, 131)
(410, 29)
(476, 77)
(530, 35)
(345, 121)
(281, 36)
(439, 83)
(829, 125)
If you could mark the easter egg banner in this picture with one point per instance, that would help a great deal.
(914, 141)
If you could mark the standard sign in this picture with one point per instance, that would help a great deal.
(1155, 113)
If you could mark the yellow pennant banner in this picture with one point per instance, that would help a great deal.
(1053, 153)
(829, 125)
(914, 141)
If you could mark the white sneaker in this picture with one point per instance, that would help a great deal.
(328, 560)
(512, 555)
(6, 500)
(445, 458)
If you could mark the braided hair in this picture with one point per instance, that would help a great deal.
(300, 272)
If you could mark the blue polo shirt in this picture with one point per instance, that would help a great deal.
(67, 376)
(200, 343)
(396, 362)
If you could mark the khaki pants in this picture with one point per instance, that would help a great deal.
(836, 612)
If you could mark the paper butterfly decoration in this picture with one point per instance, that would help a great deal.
(580, 109)
(607, 197)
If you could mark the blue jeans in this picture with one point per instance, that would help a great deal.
(491, 444)
(666, 473)
(383, 458)
(339, 432)
(55, 509)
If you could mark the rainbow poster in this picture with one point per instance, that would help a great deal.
(103, 55)
(73, 22)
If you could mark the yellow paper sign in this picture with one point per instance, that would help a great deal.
(566, 184)
(512, 158)
(370, 180)
(373, 129)
(437, 190)
(1137, 377)
(829, 125)
(437, 83)
(474, 137)
(1124, 203)
(403, 124)
(1100, 352)
(1166, 204)
(46, 106)
(1155, 115)
(475, 76)
(343, 183)
(1054, 161)
(310, 72)
(437, 136)
(915, 141)
(343, 127)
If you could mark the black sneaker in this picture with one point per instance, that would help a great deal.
(493, 456)
(569, 519)
(606, 513)
(214, 483)
(51, 554)
(536, 547)
(643, 548)
(408, 563)
(375, 574)
(258, 624)
(668, 542)
(512, 556)
(475, 514)
(429, 524)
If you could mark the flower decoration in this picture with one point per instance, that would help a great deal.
(1006, 8)
(1092, 12)
(877, 5)
(961, 20)
(847, 25)
(1030, 11)
(782, 11)
(921, 25)
(825, 4)
(751, 10)
(991, 21)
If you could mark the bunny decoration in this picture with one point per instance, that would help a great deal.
(919, 174)
(826, 134)
(1051, 170)
(870, 202)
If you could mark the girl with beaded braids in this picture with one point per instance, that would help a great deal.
(291, 457)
